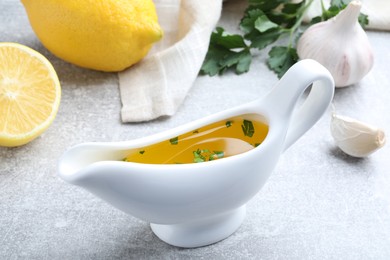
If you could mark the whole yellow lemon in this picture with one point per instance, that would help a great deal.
(107, 35)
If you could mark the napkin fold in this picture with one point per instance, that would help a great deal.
(158, 84)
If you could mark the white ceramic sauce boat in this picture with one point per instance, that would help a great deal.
(197, 204)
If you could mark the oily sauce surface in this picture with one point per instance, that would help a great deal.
(215, 141)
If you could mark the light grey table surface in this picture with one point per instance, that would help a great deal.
(318, 204)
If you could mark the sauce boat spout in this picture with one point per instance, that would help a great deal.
(75, 163)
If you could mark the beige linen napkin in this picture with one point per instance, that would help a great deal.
(159, 83)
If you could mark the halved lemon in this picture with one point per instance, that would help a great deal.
(30, 94)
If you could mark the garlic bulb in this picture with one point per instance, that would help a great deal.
(341, 45)
(356, 138)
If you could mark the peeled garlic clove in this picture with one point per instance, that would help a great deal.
(341, 45)
(354, 137)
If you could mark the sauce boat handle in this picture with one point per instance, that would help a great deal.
(285, 95)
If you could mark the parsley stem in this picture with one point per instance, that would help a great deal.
(298, 23)
(323, 9)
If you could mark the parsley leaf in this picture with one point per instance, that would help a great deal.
(198, 156)
(258, 29)
(247, 128)
(206, 155)
(263, 24)
(290, 15)
(174, 141)
(226, 51)
(281, 58)
(216, 155)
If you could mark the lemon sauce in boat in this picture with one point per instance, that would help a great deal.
(212, 142)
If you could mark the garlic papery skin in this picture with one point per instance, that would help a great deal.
(356, 138)
(341, 45)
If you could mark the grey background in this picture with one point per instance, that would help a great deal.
(318, 204)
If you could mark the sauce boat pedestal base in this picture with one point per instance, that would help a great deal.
(201, 232)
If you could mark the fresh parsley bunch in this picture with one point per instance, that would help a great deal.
(264, 22)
